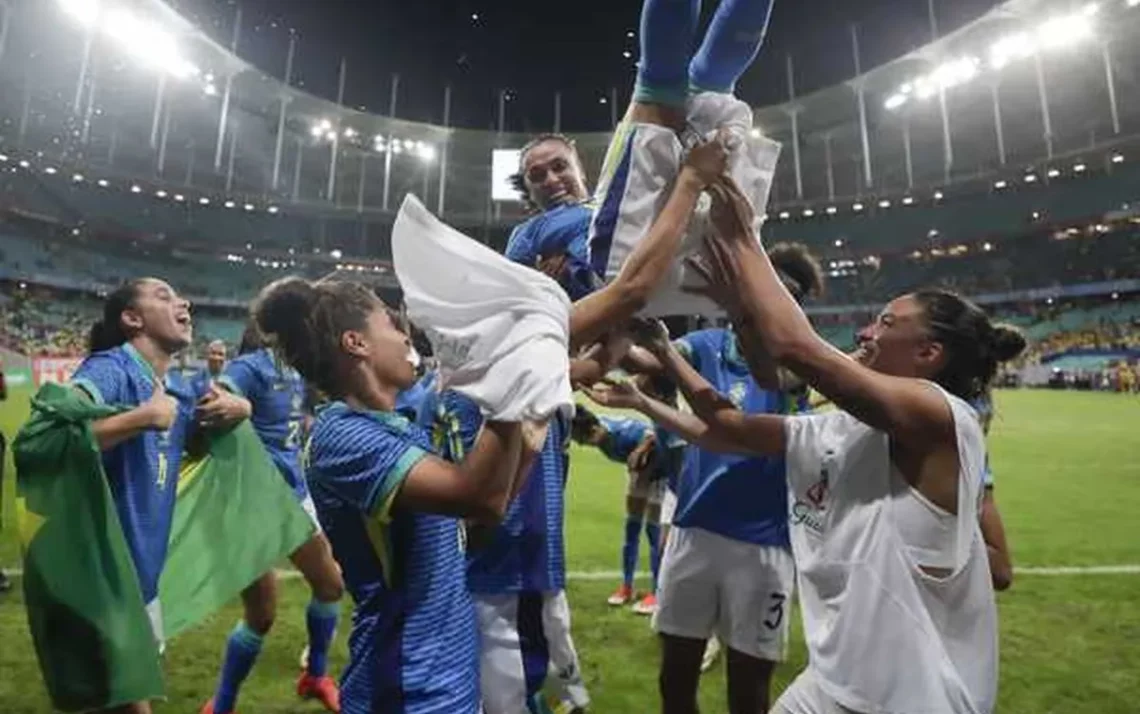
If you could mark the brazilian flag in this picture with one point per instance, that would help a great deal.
(235, 519)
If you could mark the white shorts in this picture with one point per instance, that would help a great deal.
(311, 511)
(639, 485)
(525, 637)
(739, 591)
(805, 696)
(668, 506)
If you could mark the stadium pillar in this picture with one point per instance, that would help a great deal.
(830, 167)
(26, 110)
(998, 131)
(161, 165)
(388, 154)
(84, 63)
(225, 113)
(230, 163)
(794, 111)
(5, 16)
(360, 182)
(1109, 80)
(943, 107)
(502, 125)
(613, 107)
(861, 100)
(297, 170)
(557, 112)
(330, 189)
(89, 111)
(279, 144)
(1043, 96)
(443, 152)
(159, 98)
(907, 153)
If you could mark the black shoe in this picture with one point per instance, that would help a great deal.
(5, 583)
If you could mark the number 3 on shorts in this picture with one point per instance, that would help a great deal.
(775, 611)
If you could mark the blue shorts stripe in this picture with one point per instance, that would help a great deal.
(532, 641)
(606, 219)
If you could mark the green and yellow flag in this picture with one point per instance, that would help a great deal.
(235, 519)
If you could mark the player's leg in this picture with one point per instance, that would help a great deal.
(244, 643)
(655, 490)
(315, 561)
(513, 657)
(731, 43)
(756, 589)
(686, 615)
(568, 685)
(635, 504)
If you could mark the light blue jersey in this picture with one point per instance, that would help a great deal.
(413, 647)
(525, 553)
(738, 497)
(562, 229)
(277, 394)
(142, 472)
(623, 436)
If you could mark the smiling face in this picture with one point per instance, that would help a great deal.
(383, 349)
(898, 342)
(159, 313)
(216, 357)
(552, 174)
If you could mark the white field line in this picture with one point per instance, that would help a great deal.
(590, 575)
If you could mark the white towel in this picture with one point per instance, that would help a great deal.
(499, 330)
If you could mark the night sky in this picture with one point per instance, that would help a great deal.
(533, 48)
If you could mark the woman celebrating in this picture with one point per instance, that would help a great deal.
(390, 509)
(884, 493)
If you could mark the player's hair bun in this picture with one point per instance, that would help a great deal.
(1008, 342)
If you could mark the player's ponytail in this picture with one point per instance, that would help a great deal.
(109, 332)
(304, 322)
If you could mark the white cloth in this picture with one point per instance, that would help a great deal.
(882, 634)
(499, 331)
(638, 179)
(740, 592)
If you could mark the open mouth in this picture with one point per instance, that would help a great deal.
(184, 319)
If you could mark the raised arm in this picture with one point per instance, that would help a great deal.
(647, 264)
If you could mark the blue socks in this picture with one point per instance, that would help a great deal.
(629, 549)
(242, 649)
(320, 619)
(731, 44)
(653, 537)
(667, 30)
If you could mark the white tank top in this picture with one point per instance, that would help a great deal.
(883, 636)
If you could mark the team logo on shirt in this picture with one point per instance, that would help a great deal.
(811, 509)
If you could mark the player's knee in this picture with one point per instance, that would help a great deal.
(329, 587)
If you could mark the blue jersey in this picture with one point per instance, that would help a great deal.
(277, 394)
(563, 229)
(408, 401)
(739, 497)
(525, 554)
(623, 436)
(671, 450)
(414, 643)
(142, 472)
(200, 382)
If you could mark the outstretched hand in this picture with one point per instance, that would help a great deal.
(650, 334)
(708, 162)
(731, 213)
(616, 395)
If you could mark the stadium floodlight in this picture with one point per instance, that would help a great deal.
(1012, 47)
(1053, 173)
(275, 209)
(907, 200)
(77, 178)
(148, 43)
(230, 204)
(335, 254)
(25, 165)
(1000, 184)
(832, 210)
(3, 158)
(838, 243)
(203, 201)
(104, 183)
(160, 193)
(51, 170)
(210, 89)
(316, 132)
(331, 135)
(884, 203)
(397, 147)
(85, 11)
(426, 152)
(784, 215)
(1065, 30)
(857, 207)
(249, 206)
(1030, 178)
(349, 132)
(937, 195)
(808, 213)
(1079, 168)
(136, 189)
(1118, 158)
(987, 247)
(1132, 3)
(895, 101)
(755, 133)
(179, 197)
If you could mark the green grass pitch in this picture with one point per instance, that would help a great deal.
(1068, 484)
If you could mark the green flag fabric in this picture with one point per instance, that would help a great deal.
(91, 632)
(235, 518)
